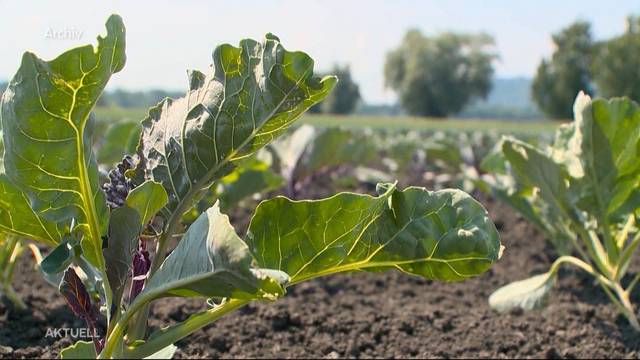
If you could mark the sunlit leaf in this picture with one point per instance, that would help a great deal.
(147, 199)
(79, 350)
(526, 294)
(18, 217)
(254, 92)
(610, 134)
(444, 235)
(211, 261)
(252, 177)
(165, 353)
(47, 134)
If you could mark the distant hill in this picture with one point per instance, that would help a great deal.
(510, 98)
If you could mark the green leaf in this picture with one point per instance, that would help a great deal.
(306, 151)
(369, 175)
(518, 190)
(444, 235)
(18, 217)
(533, 168)
(165, 353)
(124, 230)
(120, 139)
(288, 150)
(526, 294)
(253, 94)
(566, 149)
(399, 149)
(147, 199)
(542, 192)
(332, 147)
(582, 188)
(47, 133)
(58, 259)
(445, 149)
(495, 161)
(610, 137)
(79, 350)
(252, 177)
(212, 261)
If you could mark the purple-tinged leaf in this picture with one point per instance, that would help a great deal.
(79, 300)
(140, 268)
(76, 294)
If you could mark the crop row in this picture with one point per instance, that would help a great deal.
(108, 221)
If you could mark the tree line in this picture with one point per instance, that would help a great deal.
(606, 68)
(439, 75)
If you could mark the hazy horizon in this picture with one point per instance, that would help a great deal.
(166, 39)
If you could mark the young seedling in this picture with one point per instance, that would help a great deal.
(583, 192)
(253, 93)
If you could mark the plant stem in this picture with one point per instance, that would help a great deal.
(596, 250)
(625, 257)
(578, 248)
(610, 244)
(628, 311)
(139, 323)
(117, 332)
(583, 265)
(137, 328)
(621, 238)
(633, 283)
(168, 336)
(614, 290)
(13, 297)
(13, 258)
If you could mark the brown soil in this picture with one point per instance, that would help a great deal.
(374, 315)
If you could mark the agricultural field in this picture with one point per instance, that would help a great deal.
(111, 114)
(228, 222)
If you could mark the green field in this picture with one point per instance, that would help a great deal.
(112, 114)
(418, 123)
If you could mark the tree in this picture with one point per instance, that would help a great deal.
(345, 95)
(617, 66)
(439, 75)
(559, 80)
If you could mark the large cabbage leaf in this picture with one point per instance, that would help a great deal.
(252, 95)
(444, 235)
(47, 131)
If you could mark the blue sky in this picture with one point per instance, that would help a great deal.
(166, 38)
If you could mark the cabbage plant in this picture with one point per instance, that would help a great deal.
(308, 152)
(100, 233)
(583, 191)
